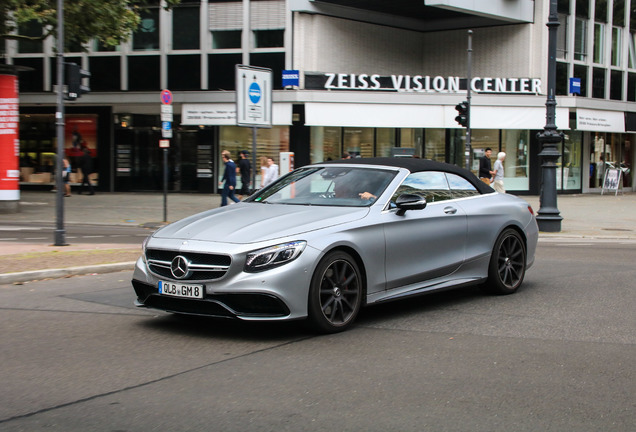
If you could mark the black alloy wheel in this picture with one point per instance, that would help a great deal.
(335, 296)
(507, 263)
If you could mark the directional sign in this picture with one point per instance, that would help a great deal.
(253, 96)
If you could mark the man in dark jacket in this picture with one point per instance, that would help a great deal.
(245, 170)
(230, 179)
(86, 164)
(485, 168)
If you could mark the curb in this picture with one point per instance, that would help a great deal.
(27, 276)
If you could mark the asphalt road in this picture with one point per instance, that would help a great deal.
(556, 356)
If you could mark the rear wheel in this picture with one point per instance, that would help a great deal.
(507, 263)
(335, 295)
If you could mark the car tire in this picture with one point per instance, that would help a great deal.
(507, 266)
(335, 294)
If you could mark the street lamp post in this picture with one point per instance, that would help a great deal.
(548, 216)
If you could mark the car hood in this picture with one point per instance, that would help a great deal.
(255, 222)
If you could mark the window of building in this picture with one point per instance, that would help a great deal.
(325, 144)
(270, 143)
(269, 38)
(631, 87)
(598, 83)
(146, 37)
(221, 72)
(185, 27)
(616, 85)
(580, 39)
(184, 72)
(617, 45)
(226, 39)
(98, 46)
(358, 141)
(32, 29)
(581, 71)
(435, 144)
(143, 73)
(516, 170)
(273, 61)
(600, 11)
(33, 80)
(583, 9)
(412, 138)
(385, 141)
(618, 13)
(562, 37)
(562, 79)
(599, 43)
(563, 6)
(105, 73)
(569, 168)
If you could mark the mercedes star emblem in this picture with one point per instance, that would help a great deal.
(180, 267)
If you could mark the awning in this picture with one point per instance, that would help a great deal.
(428, 116)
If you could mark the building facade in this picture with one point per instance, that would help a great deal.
(369, 78)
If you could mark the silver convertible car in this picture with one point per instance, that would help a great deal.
(327, 239)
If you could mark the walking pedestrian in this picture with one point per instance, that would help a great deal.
(485, 168)
(230, 179)
(86, 164)
(499, 173)
(272, 172)
(245, 170)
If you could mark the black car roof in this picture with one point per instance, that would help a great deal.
(418, 165)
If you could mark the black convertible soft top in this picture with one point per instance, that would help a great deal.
(417, 165)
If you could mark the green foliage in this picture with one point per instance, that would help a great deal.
(111, 22)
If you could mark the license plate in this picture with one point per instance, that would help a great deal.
(180, 290)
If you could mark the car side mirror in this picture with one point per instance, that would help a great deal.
(409, 202)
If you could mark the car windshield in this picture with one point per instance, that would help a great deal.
(327, 186)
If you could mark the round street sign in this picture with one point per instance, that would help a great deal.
(166, 97)
(254, 92)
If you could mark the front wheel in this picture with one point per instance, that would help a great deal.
(507, 264)
(335, 295)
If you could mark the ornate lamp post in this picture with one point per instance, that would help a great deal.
(548, 216)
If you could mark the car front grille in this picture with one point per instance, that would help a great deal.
(201, 266)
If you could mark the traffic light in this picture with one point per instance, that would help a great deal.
(74, 76)
(462, 118)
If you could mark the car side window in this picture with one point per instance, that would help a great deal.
(460, 187)
(430, 184)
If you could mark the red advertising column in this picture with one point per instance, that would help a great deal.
(9, 145)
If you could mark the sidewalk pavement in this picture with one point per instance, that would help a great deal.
(588, 216)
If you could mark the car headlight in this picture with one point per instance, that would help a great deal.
(144, 244)
(273, 256)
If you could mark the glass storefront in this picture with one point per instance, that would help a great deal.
(610, 150)
(269, 143)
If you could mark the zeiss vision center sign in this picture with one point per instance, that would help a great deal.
(253, 96)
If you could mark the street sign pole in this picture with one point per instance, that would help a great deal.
(165, 185)
(60, 232)
(253, 103)
(166, 133)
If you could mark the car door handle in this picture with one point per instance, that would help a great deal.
(450, 210)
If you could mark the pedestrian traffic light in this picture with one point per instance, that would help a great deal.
(462, 108)
(74, 76)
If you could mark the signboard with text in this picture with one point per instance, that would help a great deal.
(253, 96)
